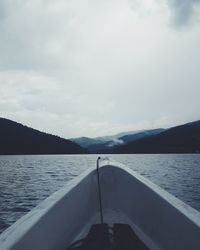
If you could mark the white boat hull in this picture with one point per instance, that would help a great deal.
(160, 220)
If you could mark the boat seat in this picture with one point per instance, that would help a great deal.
(126, 239)
(99, 237)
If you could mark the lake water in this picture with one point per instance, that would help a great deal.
(27, 180)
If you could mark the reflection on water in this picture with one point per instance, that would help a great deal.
(27, 180)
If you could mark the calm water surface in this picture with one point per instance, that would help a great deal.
(27, 180)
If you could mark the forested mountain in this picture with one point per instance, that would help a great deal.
(180, 139)
(18, 139)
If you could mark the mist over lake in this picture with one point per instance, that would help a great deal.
(27, 180)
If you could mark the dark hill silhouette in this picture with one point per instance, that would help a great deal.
(18, 139)
(180, 139)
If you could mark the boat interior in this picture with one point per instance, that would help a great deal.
(109, 237)
(111, 230)
(114, 232)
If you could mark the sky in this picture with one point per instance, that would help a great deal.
(90, 68)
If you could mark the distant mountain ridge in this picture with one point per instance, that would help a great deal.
(180, 139)
(140, 135)
(106, 143)
(18, 139)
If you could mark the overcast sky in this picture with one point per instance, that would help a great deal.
(88, 67)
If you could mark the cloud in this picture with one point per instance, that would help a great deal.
(183, 11)
(35, 34)
(115, 142)
(95, 67)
